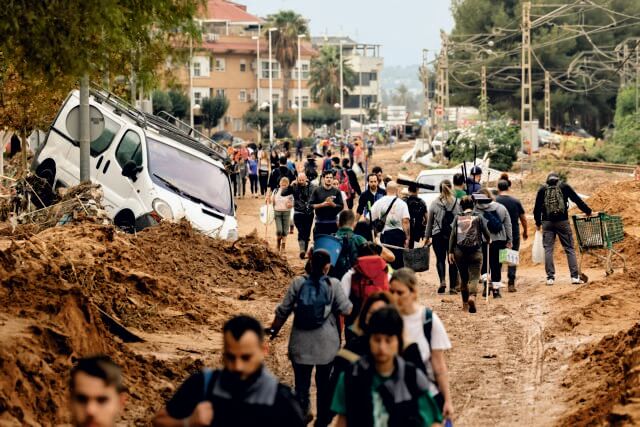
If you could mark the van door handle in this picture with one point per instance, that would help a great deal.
(99, 162)
(106, 166)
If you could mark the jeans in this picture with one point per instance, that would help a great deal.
(468, 263)
(302, 378)
(303, 223)
(253, 184)
(263, 177)
(441, 250)
(298, 154)
(283, 219)
(562, 229)
(511, 270)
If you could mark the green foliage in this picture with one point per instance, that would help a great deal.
(212, 110)
(324, 76)
(625, 104)
(281, 124)
(179, 104)
(498, 138)
(161, 102)
(318, 117)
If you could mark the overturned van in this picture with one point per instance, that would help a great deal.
(149, 168)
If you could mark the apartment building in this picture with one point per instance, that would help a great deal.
(226, 63)
(367, 63)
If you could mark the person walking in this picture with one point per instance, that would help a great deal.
(242, 176)
(349, 182)
(280, 172)
(551, 216)
(424, 328)
(473, 182)
(299, 147)
(369, 197)
(381, 388)
(327, 203)
(242, 394)
(233, 176)
(263, 171)
(458, 186)
(351, 244)
(442, 212)
(315, 301)
(282, 200)
(358, 155)
(497, 220)
(393, 212)
(419, 216)
(301, 191)
(253, 174)
(465, 250)
(516, 212)
(311, 168)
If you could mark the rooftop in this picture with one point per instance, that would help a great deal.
(223, 10)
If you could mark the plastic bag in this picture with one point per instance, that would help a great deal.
(359, 172)
(509, 256)
(266, 214)
(537, 251)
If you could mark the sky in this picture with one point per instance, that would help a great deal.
(402, 27)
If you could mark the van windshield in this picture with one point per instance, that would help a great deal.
(189, 176)
(434, 180)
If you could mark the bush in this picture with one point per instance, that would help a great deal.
(498, 138)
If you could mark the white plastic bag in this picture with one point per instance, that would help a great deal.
(266, 214)
(537, 251)
(359, 172)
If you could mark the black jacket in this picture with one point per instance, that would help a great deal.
(277, 174)
(301, 197)
(539, 213)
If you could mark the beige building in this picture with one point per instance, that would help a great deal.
(226, 63)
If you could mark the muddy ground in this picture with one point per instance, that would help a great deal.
(560, 355)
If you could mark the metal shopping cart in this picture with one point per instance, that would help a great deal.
(601, 231)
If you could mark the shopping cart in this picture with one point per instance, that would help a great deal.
(601, 231)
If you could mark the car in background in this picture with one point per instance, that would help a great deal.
(433, 177)
(548, 139)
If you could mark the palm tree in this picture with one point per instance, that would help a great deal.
(324, 76)
(285, 44)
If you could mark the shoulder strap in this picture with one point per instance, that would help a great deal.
(388, 209)
(427, 326)
(411, 380)
(207, 375)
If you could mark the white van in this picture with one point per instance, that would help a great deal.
(148, 168)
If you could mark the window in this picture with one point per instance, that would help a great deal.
(305, 71)
(99, 145)
(265, 69)
(197, 98)
(196, 69)
(305, 102)
(373, 76)
(243, 95)
(220, 92)
(220, 64)
(130, 148)
(276, 101)
(243, 65)
(238, 125)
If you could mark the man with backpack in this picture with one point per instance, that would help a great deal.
(496, 218)
(277, 174)
(465, 250)
(516, 212)
(418, 215)
(551, 215)
(315, 301)
(350, 244)
(391, 219)
(243, 394)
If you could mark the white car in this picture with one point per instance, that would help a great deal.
(149, 170)
(433, 177)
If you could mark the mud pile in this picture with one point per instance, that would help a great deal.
(57, 286)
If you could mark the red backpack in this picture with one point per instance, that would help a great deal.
(370, 276)
(345, 185)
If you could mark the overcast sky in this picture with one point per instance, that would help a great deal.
(402, 27)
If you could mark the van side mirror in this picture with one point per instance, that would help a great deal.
(131, 170)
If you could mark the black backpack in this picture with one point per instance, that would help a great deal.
(417, 211)
(554, 204)
(346, 259)
(494, 223)
(447, 220)
(468, 232)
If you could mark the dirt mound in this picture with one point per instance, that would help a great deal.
(606, 383)
(54, 285)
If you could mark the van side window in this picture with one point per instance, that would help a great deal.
(103, 142)
(130, 148)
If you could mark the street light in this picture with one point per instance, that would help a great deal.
(258, 72)
(341, 89)
(271, 30)
(300, 37)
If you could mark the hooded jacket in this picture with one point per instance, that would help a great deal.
(504, 234)
(436, 215)
(568, 193)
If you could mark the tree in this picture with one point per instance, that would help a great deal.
(78, 39)
(179, 103)
(161, 102)
(318, 117)
(285, 43)
(324, 76)
(213, 109)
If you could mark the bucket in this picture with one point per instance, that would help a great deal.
(329, 244)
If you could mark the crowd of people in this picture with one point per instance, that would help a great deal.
(377, 354)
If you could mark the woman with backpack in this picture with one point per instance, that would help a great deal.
(381, 388)
(423, 328)
(497, 220)
(282, 205)
(315, 301)
(465, 250)
(442, 212)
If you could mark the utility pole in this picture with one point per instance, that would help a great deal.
(637, 73)
(526, 109)
(445, 75)
(625, 67)
(424, 72)
(483, 94)
(547, 101)
(438, 117)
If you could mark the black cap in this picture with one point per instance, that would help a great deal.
(476, 170)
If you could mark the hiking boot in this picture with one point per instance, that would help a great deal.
(441, 289)
(496, 293)
(577, 281)
(550, 282)
(453, 291)
(512, 288)
(472, 305)
(302, 254)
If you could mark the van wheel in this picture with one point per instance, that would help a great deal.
(126, 221)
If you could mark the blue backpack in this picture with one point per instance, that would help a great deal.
(494, 223)
(313, 305)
